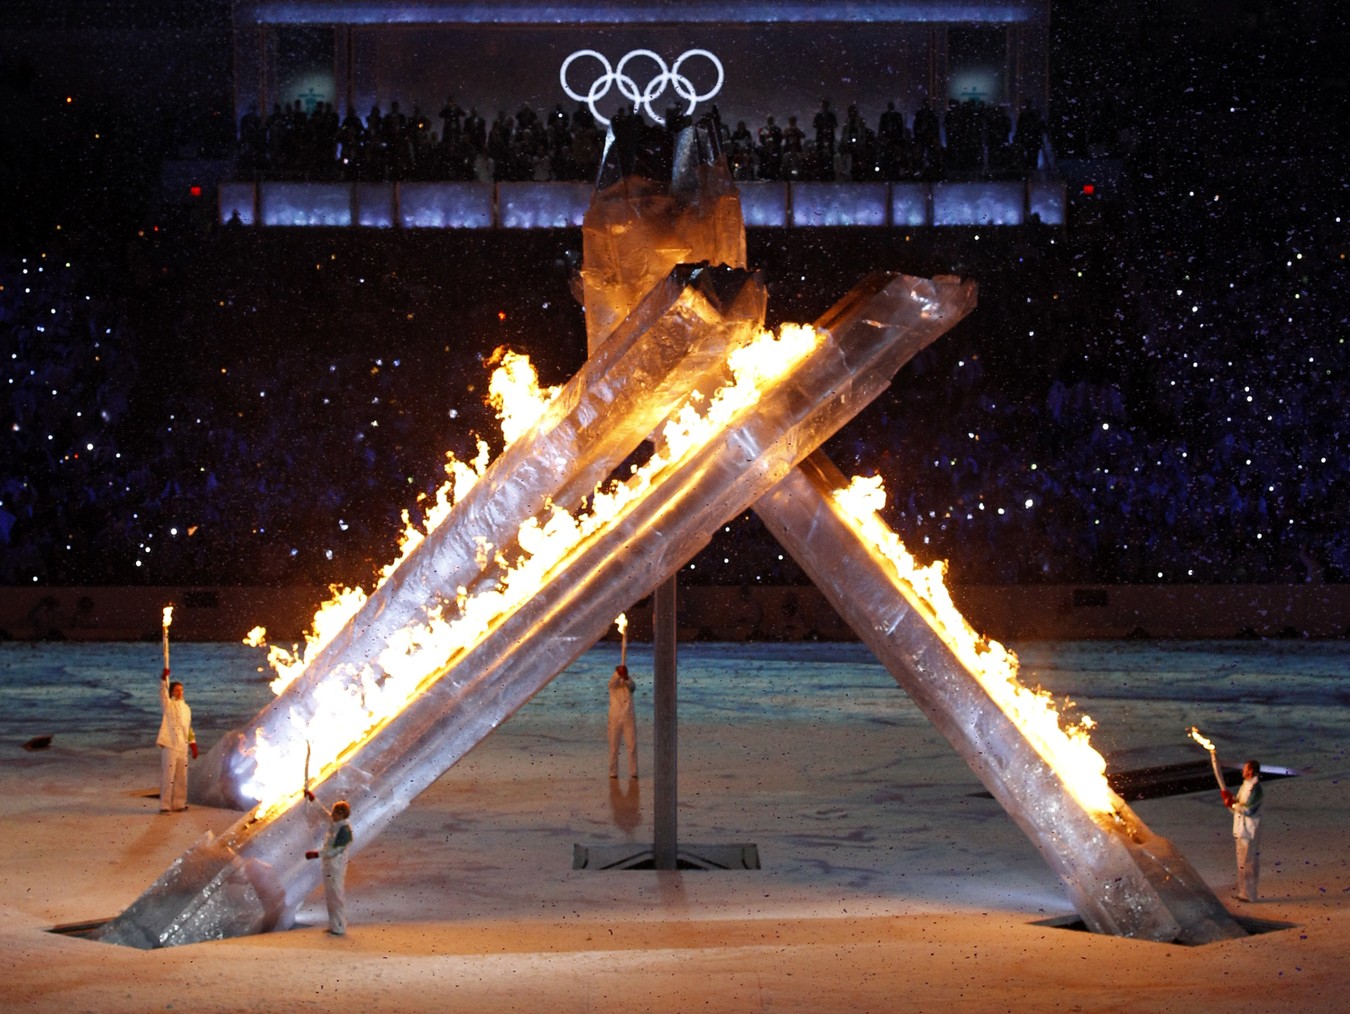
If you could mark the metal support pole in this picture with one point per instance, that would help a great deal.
(665, 727)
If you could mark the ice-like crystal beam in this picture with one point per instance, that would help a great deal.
(253, 878)
(1121, 878)
(675, 339)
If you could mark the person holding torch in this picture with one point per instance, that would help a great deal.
(333, 852)
(176, 738)
(1246, 807)
(622, 723)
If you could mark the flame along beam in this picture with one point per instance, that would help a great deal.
(1121, 878)
(676, 339)
(251, 878)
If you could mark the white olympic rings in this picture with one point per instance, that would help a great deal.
(667, 77)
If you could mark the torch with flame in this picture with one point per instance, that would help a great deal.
(1213, 756)
(622, 624)
(168, 618)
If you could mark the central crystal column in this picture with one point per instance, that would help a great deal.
(641, 223)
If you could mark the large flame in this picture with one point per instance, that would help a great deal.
(1066, 750)
(348, 710)
(514, 393)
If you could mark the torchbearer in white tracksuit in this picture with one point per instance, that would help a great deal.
(622, 722)
(1246, 807)
(333, 852)
(175, 740)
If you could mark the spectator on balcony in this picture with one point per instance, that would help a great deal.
(1028, 136)
(856, 143)
(770, 150)
(793, 141)
(891, 143)
(475, 129)
(351, 143)
(452, 121)
(927, 140)
(742, 153)
(252, 143)
(324, 129)
(1000, 157)
(825, 123)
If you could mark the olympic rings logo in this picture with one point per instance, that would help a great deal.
(641, 98)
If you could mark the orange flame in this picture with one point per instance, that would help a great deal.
(1195, 735)
(1066, 750)
(514, 393)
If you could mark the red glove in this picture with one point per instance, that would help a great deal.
(193, 748)
(311, 855)
(1228, 798)
(309, 795)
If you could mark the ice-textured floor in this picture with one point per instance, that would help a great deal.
(1245, 694)
(888, 881)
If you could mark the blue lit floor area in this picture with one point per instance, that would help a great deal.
(884, 874)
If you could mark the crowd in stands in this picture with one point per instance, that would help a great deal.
(286, 398)
(970, 139)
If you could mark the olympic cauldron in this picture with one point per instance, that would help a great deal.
(664, 333)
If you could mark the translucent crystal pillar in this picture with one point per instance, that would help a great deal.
(1121, 878)
(253, 877)
(674, 341)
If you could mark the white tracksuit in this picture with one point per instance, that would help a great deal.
(622, 723)
(333, 854)
(1247, 837)
(175, 733)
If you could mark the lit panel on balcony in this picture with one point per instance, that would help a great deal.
(909, 205)
(1047, 200)
(323, 204)
(238, 199)
(764, 204)
(542, 205)
(445, 205)
(374, 205)
(978, 203)
(817, 204)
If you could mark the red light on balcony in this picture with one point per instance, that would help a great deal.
(1089, 189)
(195, 190)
